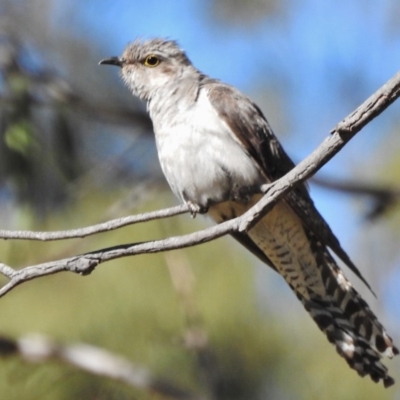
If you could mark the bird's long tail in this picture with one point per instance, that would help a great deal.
(281, 240)
(347, 320)
(339, 311)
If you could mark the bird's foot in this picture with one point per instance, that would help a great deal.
(196, 209)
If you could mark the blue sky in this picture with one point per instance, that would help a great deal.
(329, 56)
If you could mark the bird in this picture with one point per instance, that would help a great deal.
(217, 150)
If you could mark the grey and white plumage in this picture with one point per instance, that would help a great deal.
(216, 150)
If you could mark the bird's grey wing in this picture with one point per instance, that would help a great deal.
(251, 128)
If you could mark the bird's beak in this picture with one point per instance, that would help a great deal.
(112, 61)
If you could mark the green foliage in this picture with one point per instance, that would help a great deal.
(19, 138)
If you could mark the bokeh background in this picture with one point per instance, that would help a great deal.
(77, 149)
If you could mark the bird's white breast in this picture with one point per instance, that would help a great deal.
(200, 156)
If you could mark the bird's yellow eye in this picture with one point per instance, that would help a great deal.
(151, 61)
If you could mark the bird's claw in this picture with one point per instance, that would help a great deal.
(196, 209)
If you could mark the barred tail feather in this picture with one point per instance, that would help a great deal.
(356, 350)
(348, 322)
(282, 241)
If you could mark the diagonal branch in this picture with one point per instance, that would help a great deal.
(341, 134)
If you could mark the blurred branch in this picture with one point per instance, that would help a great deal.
(97, 361)
(80, 105)
(47, 89)
(341, 134)
(383, 197)
(195, 337)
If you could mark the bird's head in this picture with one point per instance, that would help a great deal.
(148, 65)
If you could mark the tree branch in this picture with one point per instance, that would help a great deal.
(94, 229)
(97, 361)
(341, 134)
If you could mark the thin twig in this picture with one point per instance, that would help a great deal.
(94, 229)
